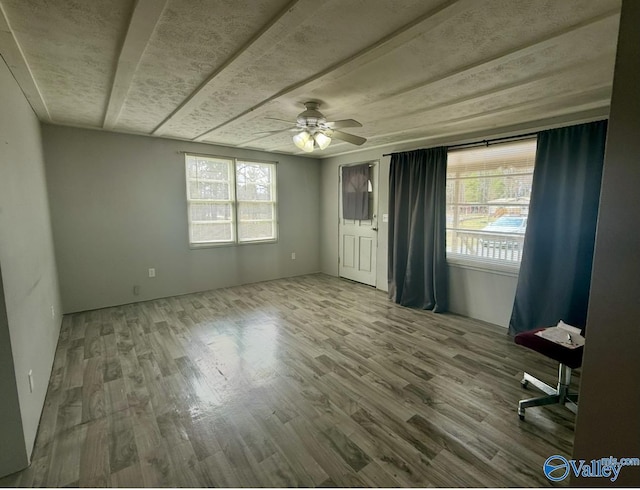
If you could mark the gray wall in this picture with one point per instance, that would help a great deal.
(28, 274)
(11, 433)
(485, 295)
(474, 293)
(118, 208)
(608, 423)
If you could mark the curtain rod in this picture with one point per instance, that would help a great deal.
(481, 142)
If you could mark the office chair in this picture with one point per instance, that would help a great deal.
(568, 358)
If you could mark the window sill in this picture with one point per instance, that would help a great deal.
(482, 266)
(200, 246)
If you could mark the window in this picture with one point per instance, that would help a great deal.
(488, 191)
(256, 198)
(230, 201)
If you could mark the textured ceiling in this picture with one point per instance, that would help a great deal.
(215, 70)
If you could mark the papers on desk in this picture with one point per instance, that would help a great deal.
(563, 334)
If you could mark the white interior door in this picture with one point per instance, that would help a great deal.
(359, 238)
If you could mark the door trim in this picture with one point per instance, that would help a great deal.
(375, 164)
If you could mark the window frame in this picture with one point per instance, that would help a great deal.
(273, 202)
(233, 202)
(480, 263)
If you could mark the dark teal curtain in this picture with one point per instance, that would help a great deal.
(555, 273)
(417, 267)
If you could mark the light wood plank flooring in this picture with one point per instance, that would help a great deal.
(308, 381)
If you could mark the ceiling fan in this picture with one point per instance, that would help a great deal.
(314, 131)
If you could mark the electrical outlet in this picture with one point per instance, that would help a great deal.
(53, 312)
(136, 290)
(30, 375)
(293, 256)
(152, 272)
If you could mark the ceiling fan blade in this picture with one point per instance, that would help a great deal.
(349, 138)
(343, 123)
(277, 130)
(277, 119)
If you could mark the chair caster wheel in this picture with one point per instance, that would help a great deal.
(524, 383)
(521, 416)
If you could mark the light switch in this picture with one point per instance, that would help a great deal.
(385, 218)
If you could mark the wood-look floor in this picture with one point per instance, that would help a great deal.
(308, 381)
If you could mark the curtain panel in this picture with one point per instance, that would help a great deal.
(355, 191)
(417, 268)
(555, 272)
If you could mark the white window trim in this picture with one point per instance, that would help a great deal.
(235, 242)
(501, 268)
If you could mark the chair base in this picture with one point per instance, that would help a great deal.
(559, 395)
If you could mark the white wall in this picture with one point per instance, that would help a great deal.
(608, 423)
(28, 271)
(118, 208)
(473, 293)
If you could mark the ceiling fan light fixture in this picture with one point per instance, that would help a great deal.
(308, 146)
(322, 140)
(302, 139)
(314, 131)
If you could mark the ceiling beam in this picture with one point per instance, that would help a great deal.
(456, 137)
(407, 33)
(594, 102)
(507, 56)
(17, 63)
(401, 36)
(505, 89)
(144, 19)
(294, 13)
(598, 94)
(595, 98)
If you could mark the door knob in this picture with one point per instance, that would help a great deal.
(375, 228)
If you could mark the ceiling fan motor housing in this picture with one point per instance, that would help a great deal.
(312, 117)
